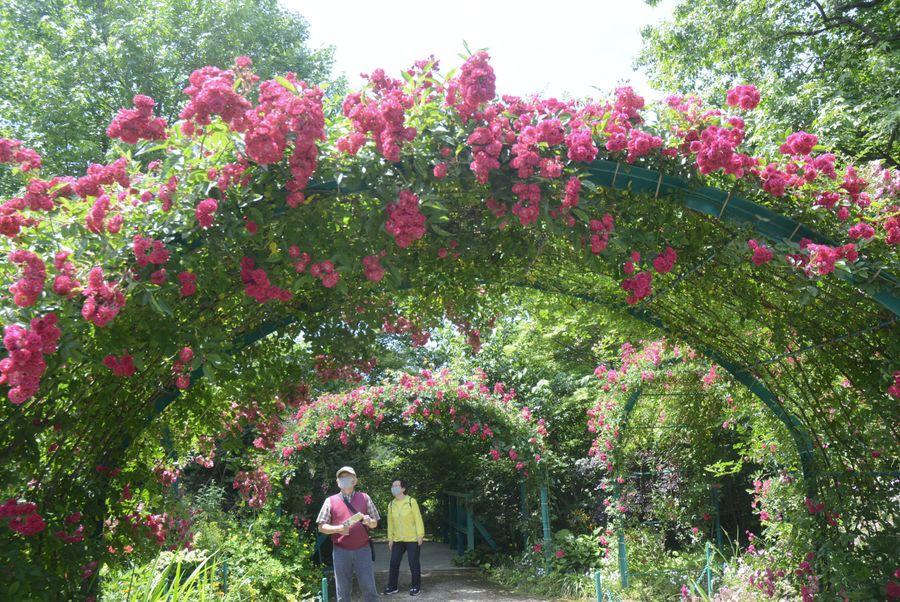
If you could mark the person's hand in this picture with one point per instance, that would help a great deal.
(368, 521)
(420, 540)
(390, 545)
(345, 529)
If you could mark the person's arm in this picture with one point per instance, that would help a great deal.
(334, 529)
(391, 525)
(371, 518)
(324, 520)
(420, 527)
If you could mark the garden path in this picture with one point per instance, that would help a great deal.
(441, 579)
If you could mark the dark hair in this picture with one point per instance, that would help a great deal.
(403, 485)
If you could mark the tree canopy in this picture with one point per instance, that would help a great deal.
(69, 65)
(829, 66)
(160, 300)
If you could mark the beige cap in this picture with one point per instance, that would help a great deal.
(346, 469)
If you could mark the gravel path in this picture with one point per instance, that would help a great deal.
(442, 580)
(454, 586)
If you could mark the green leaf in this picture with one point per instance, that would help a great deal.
(209, 372)
(581, 214)
(160, 305)
(286, 83)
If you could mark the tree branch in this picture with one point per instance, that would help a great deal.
(853, 5)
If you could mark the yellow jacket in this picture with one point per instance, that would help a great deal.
(405, 520)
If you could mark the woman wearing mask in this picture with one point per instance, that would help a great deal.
(405, 534)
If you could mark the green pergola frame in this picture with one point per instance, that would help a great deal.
(706, 200)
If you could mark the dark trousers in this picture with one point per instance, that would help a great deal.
(415, 568)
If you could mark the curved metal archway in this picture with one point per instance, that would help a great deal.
(713, 202)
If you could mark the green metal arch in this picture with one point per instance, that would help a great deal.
(730, 208)
(802, 440)
(706, 200)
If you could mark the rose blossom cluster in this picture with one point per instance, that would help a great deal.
(24, 518)
(65, 282)
(665, 261)
(622, 135)
(486, 144)
(284, 116)
(573, 188)
(148, 251)
(91, 184)
(600, 231)
(744, 96)
(325, 272)
(761, 253)
(381, 117)
(638, 287)
(474, 86)
(402, 325)
(181, 368)
(528, 207)
(205, 212)
(122, 366)
(211, 92)
(253, 486)
(257, 285)
(103, 300)
(12, 151)
(24, 365)
(37, 197)
(167, 476)
(188, 282)
(131, 125)
(405, 221)
(29, 287)
(820, 259)
(372, 268)
(526, 151)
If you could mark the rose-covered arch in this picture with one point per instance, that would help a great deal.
(660, 402)
(431, 404)
(267, 211)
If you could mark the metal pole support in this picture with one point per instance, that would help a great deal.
(470, 526)
(524, 511)
(545, 520)
(225, 576)
(708, 570)
(717, 506)
(623, 560)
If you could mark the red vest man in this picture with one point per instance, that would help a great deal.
(347, 517)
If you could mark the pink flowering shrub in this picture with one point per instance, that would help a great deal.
(744, 96)
(405, 221)
(433, 401)
(263, 212)
(132, 125)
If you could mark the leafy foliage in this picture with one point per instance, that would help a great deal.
(826, 67)
(263, 257)
(70, 65)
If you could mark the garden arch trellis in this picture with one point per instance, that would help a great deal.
(708, 201)
(429, 404)
(343, 215)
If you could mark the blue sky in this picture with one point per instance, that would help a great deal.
(550, 48)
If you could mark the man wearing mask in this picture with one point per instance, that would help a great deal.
(347, 518)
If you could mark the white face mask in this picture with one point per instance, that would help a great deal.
(345, 482)
(396, 490)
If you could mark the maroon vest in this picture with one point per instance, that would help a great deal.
(358, 537)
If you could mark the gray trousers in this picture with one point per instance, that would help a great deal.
(348, 562)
